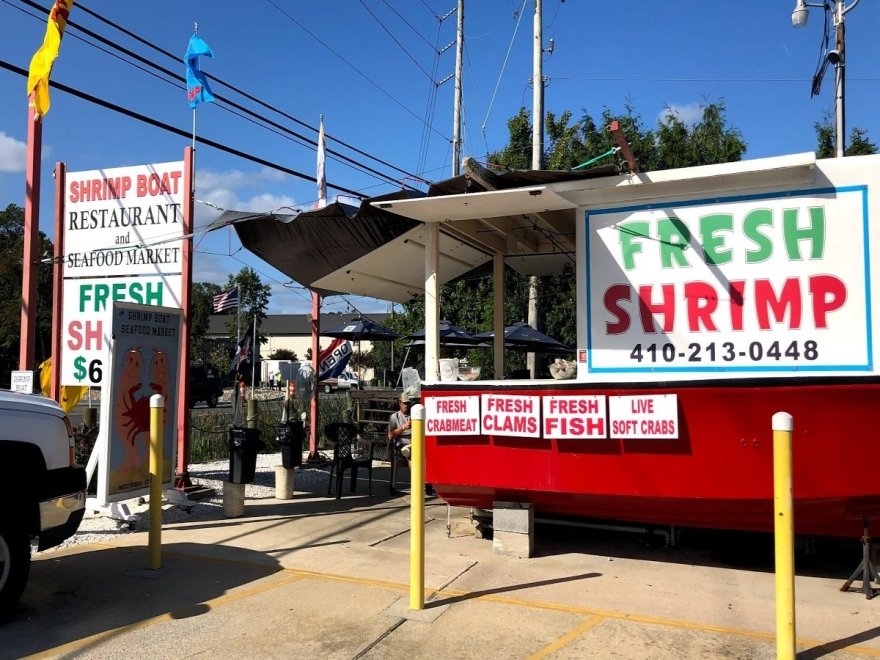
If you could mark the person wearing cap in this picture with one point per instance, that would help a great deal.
(400, 435)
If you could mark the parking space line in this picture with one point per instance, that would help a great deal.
(596, 615)
(567, 638)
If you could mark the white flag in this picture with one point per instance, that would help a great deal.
(321, 178)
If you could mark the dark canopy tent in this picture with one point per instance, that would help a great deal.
(368, 250)
(309, 245)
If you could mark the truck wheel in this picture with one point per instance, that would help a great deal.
(15, 565)
(212, 400)
(327, 389)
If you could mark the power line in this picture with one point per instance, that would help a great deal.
(302, 138)
(409, 25)
(354, 68)
(395, 40)
(177, 131)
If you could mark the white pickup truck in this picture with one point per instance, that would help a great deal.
(347, 380)
(42, 490)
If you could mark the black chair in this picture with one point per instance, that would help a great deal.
(350, 452)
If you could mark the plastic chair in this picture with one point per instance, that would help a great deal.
(397, 461)
(349, 453)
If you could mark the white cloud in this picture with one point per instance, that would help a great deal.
(12, 154)
(688, 114)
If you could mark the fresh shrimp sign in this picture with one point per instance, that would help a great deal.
(767, 284)
(122, 242)
(143, 361)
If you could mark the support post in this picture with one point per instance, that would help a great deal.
(182, 480)
(30, 267)
(783, 535)
(58, 282)
(313, 401)
(417, 510)
(157, 404)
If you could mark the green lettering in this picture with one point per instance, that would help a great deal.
(102, 292)
(752, 229)
(713, 244)
(629, 247)
(119, 291)
(135, 291)
(84, 296)
(674, 240)
(815, 233)
(154, 297)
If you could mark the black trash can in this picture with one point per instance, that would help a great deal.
(244, 444)
(290, 437)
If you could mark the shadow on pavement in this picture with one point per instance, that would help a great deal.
(439, 602)
(96, 591)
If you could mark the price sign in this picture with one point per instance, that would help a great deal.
(85, 371)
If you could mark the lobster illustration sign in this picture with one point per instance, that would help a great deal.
(144, 361)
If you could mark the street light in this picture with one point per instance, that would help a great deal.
(833, 57)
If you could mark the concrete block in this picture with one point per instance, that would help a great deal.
(284, 483)
(512, 544)
(233, 500)
(516, 517)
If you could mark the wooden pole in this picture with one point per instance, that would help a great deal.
(30, 257)
(182, 480)
(58, 281)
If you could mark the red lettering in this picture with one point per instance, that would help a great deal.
(766, 300)
(649, 309)
(828, 294)
(701, 304)
(613, 296)
(737, 299)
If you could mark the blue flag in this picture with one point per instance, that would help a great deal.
(197, 88)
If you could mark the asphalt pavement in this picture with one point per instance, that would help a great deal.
(318, 577)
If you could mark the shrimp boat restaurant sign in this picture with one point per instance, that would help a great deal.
(144, 359)
(122, 242)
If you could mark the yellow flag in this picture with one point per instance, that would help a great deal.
(41, 63)
(70, 394)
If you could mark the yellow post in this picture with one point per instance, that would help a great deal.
(417, 510)
(784, 535)
(157, 407)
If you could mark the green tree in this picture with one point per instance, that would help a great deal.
(826, 147)
(11, 250)
(201, 309)
(284, 354)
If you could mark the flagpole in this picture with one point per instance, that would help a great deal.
(254, 356)
(195, 31)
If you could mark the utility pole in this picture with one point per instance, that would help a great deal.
(537, 158)
(456, 127)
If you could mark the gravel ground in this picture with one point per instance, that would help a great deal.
(99, 527)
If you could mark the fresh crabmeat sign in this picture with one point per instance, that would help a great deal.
(557, 417)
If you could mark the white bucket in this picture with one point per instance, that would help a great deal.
(449, 370)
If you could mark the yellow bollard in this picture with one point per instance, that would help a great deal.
(417, 510)
(784, 535)
(157, 406)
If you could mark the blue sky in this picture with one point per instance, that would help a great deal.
(368, 67)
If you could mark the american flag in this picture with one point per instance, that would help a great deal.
(226, 300)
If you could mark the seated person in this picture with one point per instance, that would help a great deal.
(400, 435)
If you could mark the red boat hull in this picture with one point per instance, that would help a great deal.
(717, 474)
